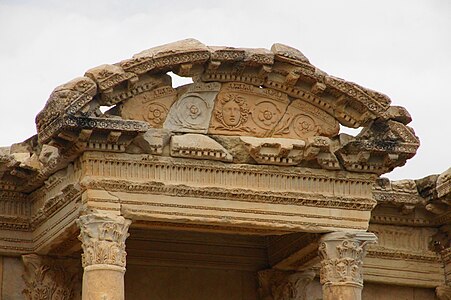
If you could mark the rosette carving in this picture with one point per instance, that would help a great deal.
(103, 239)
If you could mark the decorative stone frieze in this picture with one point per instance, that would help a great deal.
(103, 239)
(283, 285)
(342, 256)
(49, 278)
(198, 146)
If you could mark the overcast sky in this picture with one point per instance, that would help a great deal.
(400, 48)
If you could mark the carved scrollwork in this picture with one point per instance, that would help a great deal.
(281, 285)
(51, 278)
(342, 256)
(103, 239)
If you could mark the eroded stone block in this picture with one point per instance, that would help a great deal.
(198, 146)
(192, 111)
(153, 141)
(275, 151)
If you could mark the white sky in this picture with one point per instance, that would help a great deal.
(400, 48)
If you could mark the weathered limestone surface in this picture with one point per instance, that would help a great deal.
(251, 147)
(103, 241)
(13, 284)
(51, 278)
(342, 256)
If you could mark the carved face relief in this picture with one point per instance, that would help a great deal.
(232, 111)
(243, 109)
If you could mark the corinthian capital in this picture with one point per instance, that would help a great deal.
(103, 238)
(342, 256)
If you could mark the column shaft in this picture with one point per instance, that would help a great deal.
(103, 241)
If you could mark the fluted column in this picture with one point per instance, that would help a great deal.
(283, 285)
(342, 256)
(103, 238)
(48, 278)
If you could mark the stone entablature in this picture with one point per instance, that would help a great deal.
(252, 146)
(276, 95)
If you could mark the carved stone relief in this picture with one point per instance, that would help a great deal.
(443, 292)
(103, 239)
(51, 278)
(303, 120)
(192, 111)
(401, 238)
(152, 107)
(283, 285)
(342, 256)
(243, 109)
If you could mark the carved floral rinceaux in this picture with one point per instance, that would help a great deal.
(49, 278)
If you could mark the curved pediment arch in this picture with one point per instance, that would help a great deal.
(245, 105)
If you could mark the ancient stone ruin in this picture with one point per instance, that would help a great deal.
(239, 185)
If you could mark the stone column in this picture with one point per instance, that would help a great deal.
(103, 238)
(342, 256)
(49, 278)
(283, 285)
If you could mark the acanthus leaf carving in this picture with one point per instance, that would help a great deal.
(51, 278)
(103, 238)
(342, 256)
(283, 285)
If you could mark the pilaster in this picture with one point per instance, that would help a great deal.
(283, 285)
(49, 278)
(103, 238)
(342, 256)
